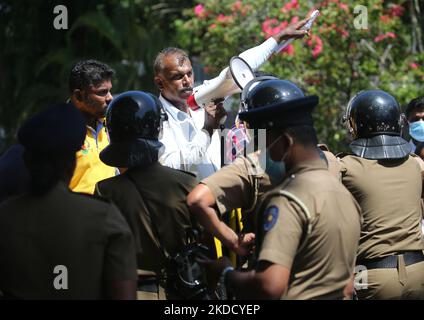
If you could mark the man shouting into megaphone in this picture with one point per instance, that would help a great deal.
(189, 140)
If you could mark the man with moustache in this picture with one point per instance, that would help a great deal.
(90, 85)
(188, 136)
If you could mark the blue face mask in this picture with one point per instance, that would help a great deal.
(416, 130)
(276, 170)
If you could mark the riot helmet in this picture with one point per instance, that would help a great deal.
(276, 103)
(134, 123)
(132, 115)
(375, 122)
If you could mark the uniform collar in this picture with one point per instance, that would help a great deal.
(310, 165)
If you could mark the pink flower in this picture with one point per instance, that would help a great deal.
(317, 50)
(385, 19)
(212, 26)
(294, 4)
(223, 18)
(379, 38)
(236, 6)
(384, 36)
(344, 33)
(270, 27)
(289, 50)
(413, 65)
(284, 24)
(344, 6)
(315, 40)
(294, 19)
(199, 10)
(396, 10)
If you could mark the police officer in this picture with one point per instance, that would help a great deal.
(308, 226)
(243, 183)
(150, 196)
(14, 177)
(56, 244)
(385, 179)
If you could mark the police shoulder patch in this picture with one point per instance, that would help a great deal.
(270, 217)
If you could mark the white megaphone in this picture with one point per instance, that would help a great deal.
(231, 80)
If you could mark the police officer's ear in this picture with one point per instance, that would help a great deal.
(78, 95)
(159, 82)
(288, 140)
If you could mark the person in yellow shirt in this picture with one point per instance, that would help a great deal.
(90, 85)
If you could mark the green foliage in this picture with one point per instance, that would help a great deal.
(35, 58)
(335, 63)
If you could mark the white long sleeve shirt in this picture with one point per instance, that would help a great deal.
(186, 146)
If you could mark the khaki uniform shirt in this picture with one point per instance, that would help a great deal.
(389, 193)
(88, 236)
(162, 202)
(321, 260)
(239, 184)
(243, 183)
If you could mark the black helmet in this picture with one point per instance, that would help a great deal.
(276, 103)
(375, 122)
(134, 114)
(133, 121)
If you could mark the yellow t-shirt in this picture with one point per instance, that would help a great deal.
(90, 169)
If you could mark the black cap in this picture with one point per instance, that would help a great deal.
(278, 104)
(59, 128)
